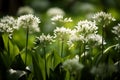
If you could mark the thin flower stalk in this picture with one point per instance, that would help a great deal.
(62, 47)
(44, 51)
(26, 46)
(8, 47)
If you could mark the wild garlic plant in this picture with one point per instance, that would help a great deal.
(62, 34)
(103, 19)
(31, 24)
(84, 32)
(44, 40)
(7, 26)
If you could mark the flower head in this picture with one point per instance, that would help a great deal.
(103, 17)
(25, 10)
(95, 38)
(55, 11)
(8, 25)
(60, 18)
(116, 30)
(86, 27)
(73, 65)
(62, 33)
(29, 21)
(44, 39)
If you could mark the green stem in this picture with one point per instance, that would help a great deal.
(118, 45)
(8, 47)
(84, 51)
(45, 62)
(62, 43)
(79, 53)
(102, 40)
(26, 47)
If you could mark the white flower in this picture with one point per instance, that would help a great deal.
(8, 25)
(55, 11)
(86, 27)
(72, 65)
(83, 29)
(43, 39)
(57, 18)
(103, 17)
(116, 30)
(96, 38)
(60, 18)
(29, 21)
(25, 10)
(62, 33)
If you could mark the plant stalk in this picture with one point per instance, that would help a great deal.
(44, 50)
(26, 46)
(62, 44)
(102, 40)
(8, 47)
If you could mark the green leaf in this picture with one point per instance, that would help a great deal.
(108, 49)
(38, 67)
(57, 59)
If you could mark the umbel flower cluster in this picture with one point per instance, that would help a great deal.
(8, 25)
(29, 21)
(103, 17)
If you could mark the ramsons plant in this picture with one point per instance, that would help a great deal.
(67, 53)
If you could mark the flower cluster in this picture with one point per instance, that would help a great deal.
(44, 39)
(60, 18)
(95, 38)
(62, 33)
(72, 65)
(82, 32)
(86, 27)
(103, 17)
(55, 11)
(25, 10)
(8, 25)
(29, 21)
(116, 30)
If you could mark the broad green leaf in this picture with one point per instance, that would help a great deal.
(38, 67)
(57, 59)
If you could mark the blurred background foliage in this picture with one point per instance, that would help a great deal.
(78, 7)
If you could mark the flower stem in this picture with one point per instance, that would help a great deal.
(102, 40)
(118, 44)
(45, 62)
(84, 51)
(8, 47)
(62, 42)
(26, 47)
